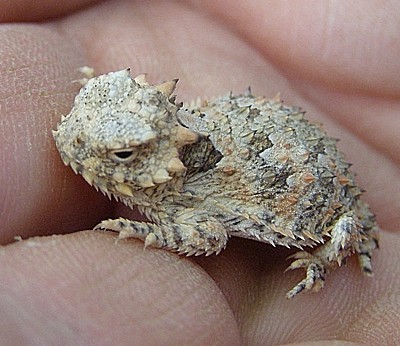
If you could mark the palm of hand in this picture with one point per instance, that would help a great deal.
(91, 289)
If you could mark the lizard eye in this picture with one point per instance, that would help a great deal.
(125, 155)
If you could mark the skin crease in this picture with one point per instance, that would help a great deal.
(338, 60)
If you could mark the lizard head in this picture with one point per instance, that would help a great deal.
(122, 134)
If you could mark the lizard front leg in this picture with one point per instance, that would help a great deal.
(191, 235)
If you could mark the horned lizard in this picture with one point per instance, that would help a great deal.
(240, 166)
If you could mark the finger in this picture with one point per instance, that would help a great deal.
(340, 44)
(85, 289)
(148, 38)
(36, 88)
(26, 10)
(350, 306)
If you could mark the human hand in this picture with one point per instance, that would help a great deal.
(340, 63)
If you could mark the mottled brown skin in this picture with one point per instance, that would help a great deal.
(235, 166)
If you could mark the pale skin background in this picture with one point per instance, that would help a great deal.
(337, 59)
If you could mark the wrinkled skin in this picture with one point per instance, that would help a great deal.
(337, 60)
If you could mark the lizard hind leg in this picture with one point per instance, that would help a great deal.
(190, 236)
(364, 251)
(345, 237)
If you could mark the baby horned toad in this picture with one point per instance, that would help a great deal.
(239, 166)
